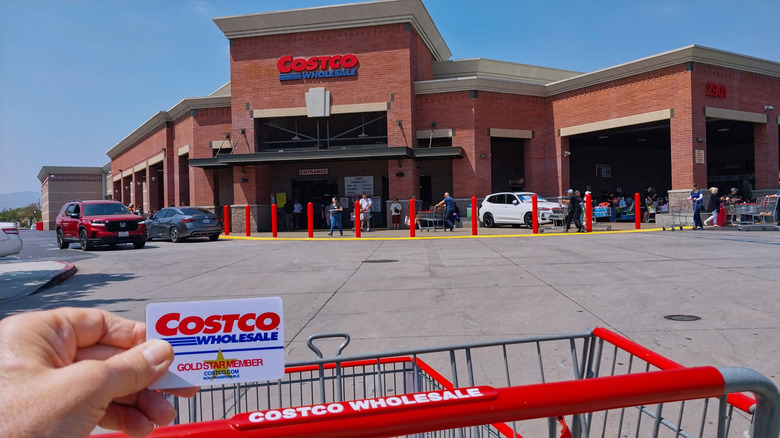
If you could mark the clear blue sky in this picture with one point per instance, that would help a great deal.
(77, 76)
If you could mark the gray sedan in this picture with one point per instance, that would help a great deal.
(179, 223)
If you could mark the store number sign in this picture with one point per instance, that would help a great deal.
(715, 90)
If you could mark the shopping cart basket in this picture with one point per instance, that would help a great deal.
(761, 216)
(602, 383)
(678, 214)
(431, 219)
(743, 213)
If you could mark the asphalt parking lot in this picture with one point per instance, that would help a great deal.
(452, 288)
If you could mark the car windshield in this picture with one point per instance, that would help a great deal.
(109, 208)
(194, 211)
(525, 197)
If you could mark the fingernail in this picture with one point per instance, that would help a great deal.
(157, 351)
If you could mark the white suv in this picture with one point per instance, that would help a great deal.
(515, 208)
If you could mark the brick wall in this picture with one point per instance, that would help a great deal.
(472, 117)
(746, 92)
(656, 90)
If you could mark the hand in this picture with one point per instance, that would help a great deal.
(67, 370)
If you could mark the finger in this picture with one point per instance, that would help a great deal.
(133, 399)
(126, 418)
(137, 368)
(97, 352)
(51, 338)
(156, 407)
(94, 326)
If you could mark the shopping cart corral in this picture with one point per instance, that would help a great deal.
(596, 382)
(762, 215)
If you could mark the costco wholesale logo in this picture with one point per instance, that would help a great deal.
(316, 67)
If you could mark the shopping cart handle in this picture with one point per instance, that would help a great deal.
(312, 338)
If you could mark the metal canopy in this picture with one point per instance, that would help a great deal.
(310, 155)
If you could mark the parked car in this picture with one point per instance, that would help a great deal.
(179, 223)
(515, 208)
(10, 240)
(102, 222)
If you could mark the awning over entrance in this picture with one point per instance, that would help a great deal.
(313, 155)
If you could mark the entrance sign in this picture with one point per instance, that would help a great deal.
(357, 185)
(220, 341)
(304, 172)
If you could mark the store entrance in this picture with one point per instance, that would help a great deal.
(731, 159)
(507, 164)
(317, 191)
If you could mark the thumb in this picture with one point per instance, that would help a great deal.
(139, 367)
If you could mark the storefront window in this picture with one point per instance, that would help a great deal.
(337, 131)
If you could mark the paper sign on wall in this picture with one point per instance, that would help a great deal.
(221, 341)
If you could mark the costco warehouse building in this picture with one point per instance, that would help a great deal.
(340, 100)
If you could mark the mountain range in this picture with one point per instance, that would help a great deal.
(18, 199)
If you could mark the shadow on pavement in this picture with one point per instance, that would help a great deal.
(72, 293)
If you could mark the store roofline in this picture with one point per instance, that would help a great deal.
(180, 109)
(344, 16)
(49, 170)
(494, 77)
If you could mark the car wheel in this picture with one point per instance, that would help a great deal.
(139, 244)
(84, 241)
(487, 219)
(61, 243)
(528, 220)
(213, 237)
(175, 235)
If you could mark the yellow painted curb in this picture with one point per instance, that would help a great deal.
(447, 236)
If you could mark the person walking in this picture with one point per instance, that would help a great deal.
(449, 211)
(649, 205)
(696, 198)
(714, 206)
(395, 212)
(335, 210)
(574, 212)
(365, 212)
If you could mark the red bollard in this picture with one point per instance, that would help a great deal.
(356, 223)
(246, 215)
(274, 220)
(637, 211)
(588, 213)
(474, 216)
(310, 216)
(226, 220)
(412, 220)
(535, 213)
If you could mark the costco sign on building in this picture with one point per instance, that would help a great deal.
(316, 67)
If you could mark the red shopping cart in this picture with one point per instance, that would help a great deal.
(597, 382)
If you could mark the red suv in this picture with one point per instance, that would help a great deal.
(93, 223)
